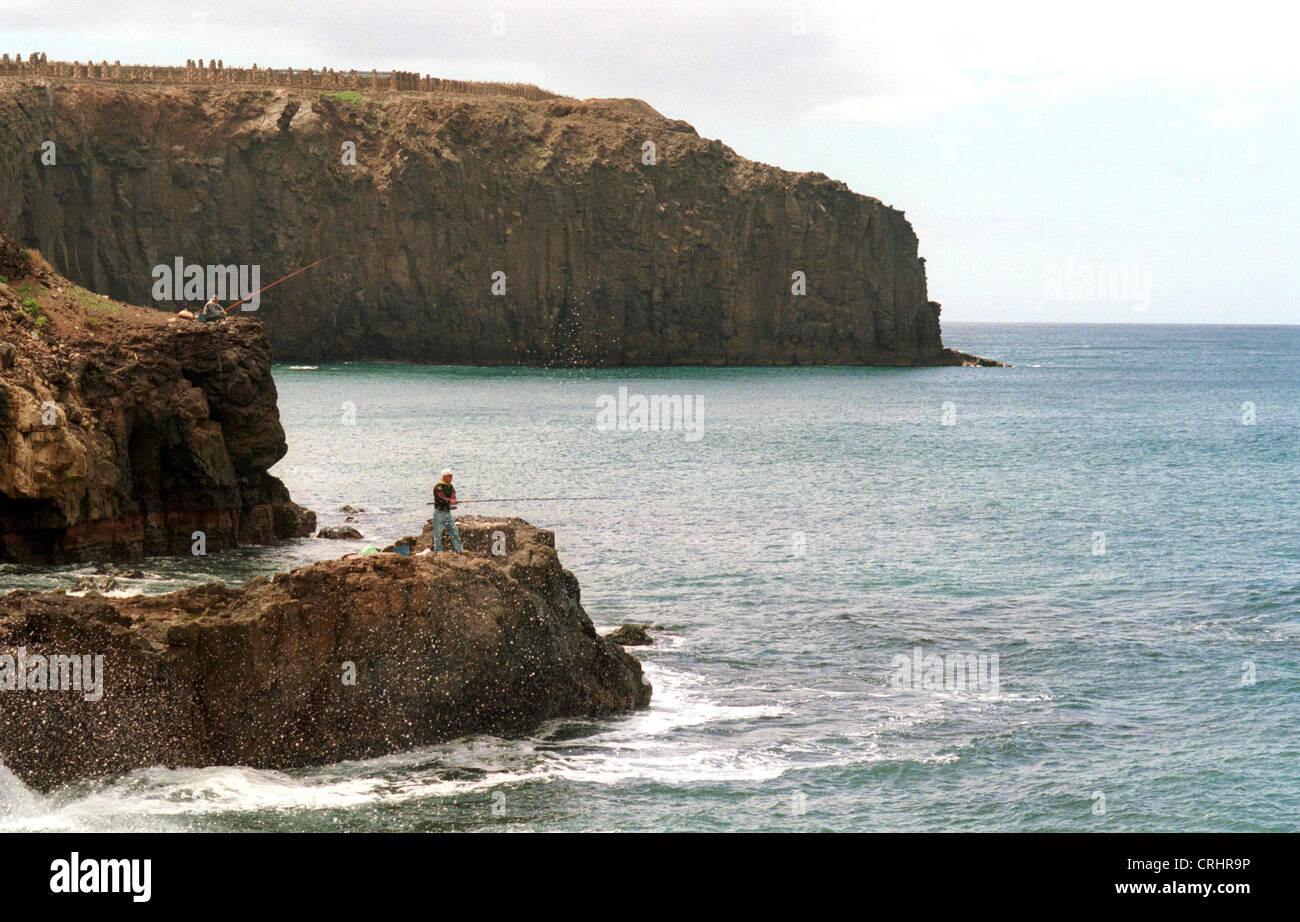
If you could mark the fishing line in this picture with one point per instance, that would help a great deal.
(273, 284)
(532, 499)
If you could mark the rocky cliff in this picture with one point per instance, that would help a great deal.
(123, 432)
(469, 229)
(343, 659)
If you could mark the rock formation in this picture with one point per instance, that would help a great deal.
(631, 635)
(123, 434)
(340, 531)
(344, 659)
(466, 229)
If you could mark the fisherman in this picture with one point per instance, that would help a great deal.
(444, 500)
(212, 311)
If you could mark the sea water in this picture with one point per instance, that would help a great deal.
(1106, 533)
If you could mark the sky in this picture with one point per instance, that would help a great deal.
(1114, 162)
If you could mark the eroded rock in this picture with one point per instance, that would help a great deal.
(344, 659)
(630, 635)
(339, 532)
(124, 432)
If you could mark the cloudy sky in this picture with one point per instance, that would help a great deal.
(1117, 162)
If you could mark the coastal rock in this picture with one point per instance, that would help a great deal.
(479, 534)
(470, 229)
(966, 360)
(339, 532)
(108, 569)
(630, 635)
(95, 583)
(402, 546)
(126, 433)
(344, 659)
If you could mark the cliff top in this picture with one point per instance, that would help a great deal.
(537, 131)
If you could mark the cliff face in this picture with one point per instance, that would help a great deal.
(343, 659)
(606, 259)
(123, 433)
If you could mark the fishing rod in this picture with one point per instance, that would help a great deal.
(276, 282)
(529, 499)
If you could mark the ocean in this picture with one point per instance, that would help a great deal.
(1063, 595)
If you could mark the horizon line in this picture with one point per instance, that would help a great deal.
(1119, 323)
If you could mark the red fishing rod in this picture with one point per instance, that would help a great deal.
(276, 282)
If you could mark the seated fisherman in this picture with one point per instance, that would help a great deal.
(212, 311)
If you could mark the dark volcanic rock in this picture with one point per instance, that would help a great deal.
(607, 259)
(440, 647)
(123, 433)
(339, 531)
(966, 360)
(630, 635)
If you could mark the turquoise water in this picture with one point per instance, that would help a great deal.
(1101, 516)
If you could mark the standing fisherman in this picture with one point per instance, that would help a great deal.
(444, 500)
